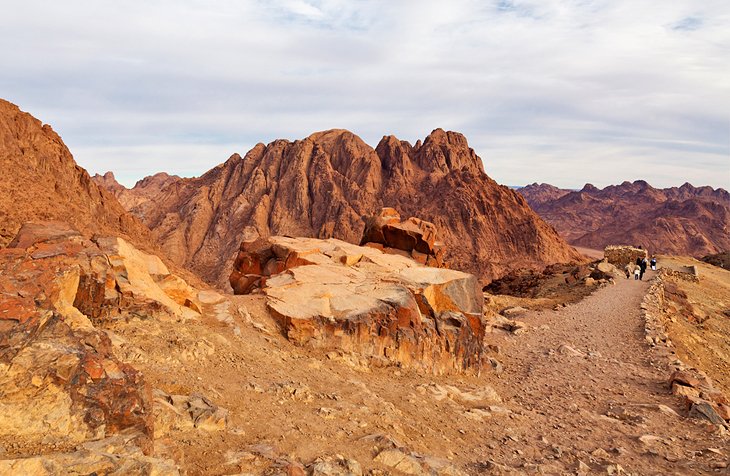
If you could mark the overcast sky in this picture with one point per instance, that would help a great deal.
(557, 91)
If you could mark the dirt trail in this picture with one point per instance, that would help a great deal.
(591, 393)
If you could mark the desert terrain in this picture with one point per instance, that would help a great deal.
(370, 352)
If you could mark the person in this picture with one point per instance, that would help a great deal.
(653, 263)
(637, 270)
(629, 268)
(643, 266)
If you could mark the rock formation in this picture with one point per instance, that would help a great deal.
(414, 237)
(62, 384)
(323, 185)
(335, 295)
(41, 181)
(682, 220)
(621, 255)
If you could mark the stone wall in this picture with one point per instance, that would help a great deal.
(620, 256)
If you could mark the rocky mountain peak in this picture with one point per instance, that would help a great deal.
(322, 186)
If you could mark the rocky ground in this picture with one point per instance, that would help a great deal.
(576, 389)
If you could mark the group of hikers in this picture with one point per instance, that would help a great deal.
(639, 268)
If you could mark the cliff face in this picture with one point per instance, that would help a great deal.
(40, 180)
(682, 220)
(323, 185)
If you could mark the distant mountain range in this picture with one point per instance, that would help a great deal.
(684, 220)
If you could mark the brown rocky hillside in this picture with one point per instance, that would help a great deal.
(40, 180)
(684, 220)
(323, 185)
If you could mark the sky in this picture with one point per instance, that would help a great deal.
(565, 92)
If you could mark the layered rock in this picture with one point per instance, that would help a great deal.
(41, 181)
(334, 295)
(682, 220)
(323, 185)
(415, 237)
(62, 384)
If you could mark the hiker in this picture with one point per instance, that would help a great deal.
(637, 270)
(653, 263)
(629, 268)
(642, 267)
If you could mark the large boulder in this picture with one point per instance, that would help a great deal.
(334, 295)
(416, 237)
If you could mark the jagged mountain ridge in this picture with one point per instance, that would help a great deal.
(41, 181)
(683, 220)
(323, 185)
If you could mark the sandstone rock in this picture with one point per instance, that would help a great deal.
(174, 412)
(62, 384)
(114, 456)
(416, 237)
(381, 306)
(609, 269)
(514, 311)
(682, 377)
(336, 466)
(400, 461)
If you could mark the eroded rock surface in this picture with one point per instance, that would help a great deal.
(61, 383)
(414, 237)
(332, 294)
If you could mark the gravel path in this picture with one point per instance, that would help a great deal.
(589, 399)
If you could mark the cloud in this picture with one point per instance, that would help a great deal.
(562, 91)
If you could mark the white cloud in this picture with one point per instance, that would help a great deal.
(563, 91)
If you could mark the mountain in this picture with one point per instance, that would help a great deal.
(323, 185)
(538, 193)
(684, 220)
(41, 181)
(139, 199)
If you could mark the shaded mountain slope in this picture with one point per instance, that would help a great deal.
(40, 180)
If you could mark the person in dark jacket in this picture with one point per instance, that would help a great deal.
(653, 263)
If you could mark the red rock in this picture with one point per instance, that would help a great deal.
(723, 409)
(684, 378)
(382, 306)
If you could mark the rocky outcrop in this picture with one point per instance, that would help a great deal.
(334, 295)
(41, 181)
(414, 237)
(621, 255)
(62, 384)
(323, 185)
(682, 220)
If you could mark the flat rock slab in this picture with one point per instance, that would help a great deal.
(332, 294)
